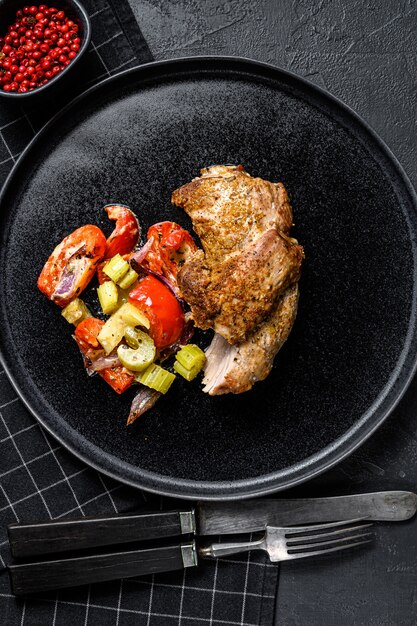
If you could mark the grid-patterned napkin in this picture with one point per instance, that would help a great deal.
(40, 480)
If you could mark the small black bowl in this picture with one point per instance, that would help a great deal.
(75, 12)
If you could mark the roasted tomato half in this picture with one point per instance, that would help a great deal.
(86, 337)
(168, 248)
(72, 264)
(162, 309)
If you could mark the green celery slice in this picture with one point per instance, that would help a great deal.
(157, 378)
(113, 330)
(191, 357)
(128, 279)
(137, 359)
(116, 268)
(108, 296)
(187, 374)
(76, 311)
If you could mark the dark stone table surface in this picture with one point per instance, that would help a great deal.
(364, 52)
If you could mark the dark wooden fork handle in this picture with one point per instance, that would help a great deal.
(27, 540)
(47, 575)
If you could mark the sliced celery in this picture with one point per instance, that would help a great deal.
(123, 297)
(128, 279)
(187, 374)
(108, 295)
(156, 378)
(76, 311)
(131, 337)
(137, 359)
(113, 330)
(116, 268)
(191, 357)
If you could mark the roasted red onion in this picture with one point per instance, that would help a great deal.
(142, 402)
(103, 362)
(140, 254)
(97, 360)
(69, 276)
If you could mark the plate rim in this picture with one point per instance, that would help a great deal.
(311, 466)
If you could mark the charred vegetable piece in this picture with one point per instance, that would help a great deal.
(116, 268)
(142, 402)
(126, 233)
(168, 248)
(76, 311)
(162, 308)
(113, 330)
(137, 359)
(108, 296)
(72, 264)
(157, 378)
(128, 279)
(86, 336)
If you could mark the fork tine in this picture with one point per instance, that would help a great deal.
(291, 530)
(291, 541)
(305, 546)
(302, 555)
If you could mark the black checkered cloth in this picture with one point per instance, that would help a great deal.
(40, 480)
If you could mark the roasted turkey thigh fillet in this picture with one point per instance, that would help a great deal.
(244, 283)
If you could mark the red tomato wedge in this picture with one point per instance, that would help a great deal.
(167, 249)
(86, 337)
(162, 309)
(126, 233)
(72, 264)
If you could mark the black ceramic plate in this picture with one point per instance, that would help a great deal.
(133, 139)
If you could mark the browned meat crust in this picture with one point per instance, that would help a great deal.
(248, 260)
(236, 295)
(230, 209)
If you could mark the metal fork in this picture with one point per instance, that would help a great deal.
(297, 542)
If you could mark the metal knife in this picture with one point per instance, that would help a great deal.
(208, 518)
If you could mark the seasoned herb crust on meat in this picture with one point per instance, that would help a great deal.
(244, 284)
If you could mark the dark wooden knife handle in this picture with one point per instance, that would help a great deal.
(27, 540)
(47, 575)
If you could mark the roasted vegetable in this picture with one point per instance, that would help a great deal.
(161, 307)
(137, 358)
(108, 296)
(189, 361)
(72, 264)
(166, 250)
(142, 402)
(126, 233)
(86, 336)
(156, 377)
(76, 311)
(116, 268)
(113, 330)
(128, 279)
(191, 357)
